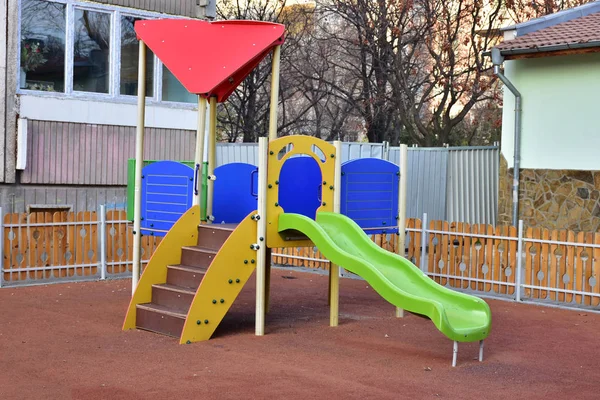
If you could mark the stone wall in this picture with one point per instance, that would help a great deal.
(552, 199)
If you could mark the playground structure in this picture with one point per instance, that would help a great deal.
(300, 195)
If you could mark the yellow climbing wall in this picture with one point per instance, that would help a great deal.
(281, 150)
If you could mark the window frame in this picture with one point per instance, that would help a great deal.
(114, 93)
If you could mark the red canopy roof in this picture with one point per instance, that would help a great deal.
(210, 58)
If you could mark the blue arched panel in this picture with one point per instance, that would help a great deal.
(300, 186)
(235, 192)
(167, 189)
(370, 194)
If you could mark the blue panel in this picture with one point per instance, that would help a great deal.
(235, 192)
(300, 186)
(370, 194)
(167, 188)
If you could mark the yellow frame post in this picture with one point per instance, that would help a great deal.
(212, 150)
(402, 209)
(139, 164)
(334, 269)
(261, 233)
(199, 154)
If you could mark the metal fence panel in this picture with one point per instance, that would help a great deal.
(351, 151)
(472, 187)
(228, 153)
(426, 191)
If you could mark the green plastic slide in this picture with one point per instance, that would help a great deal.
(459, 316)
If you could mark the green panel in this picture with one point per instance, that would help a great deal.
(131, 185)
(459, 316)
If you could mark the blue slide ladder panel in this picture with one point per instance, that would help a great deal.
(167, 188)
(370, 194)
(235, 192)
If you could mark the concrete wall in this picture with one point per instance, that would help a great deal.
(560, 128)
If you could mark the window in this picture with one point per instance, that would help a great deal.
(173, 90)
(91, 51)
(73, 48)
(42, 46)
(130, 51)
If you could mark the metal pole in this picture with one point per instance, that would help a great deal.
(1, 248)
(423, 243)
(102, 231)
(274, 93)
(139, 161)
(454, 353)
(199, 154)
(263, 148)
(402, 208)
(212, 150)
(519, 271)
(334, 270)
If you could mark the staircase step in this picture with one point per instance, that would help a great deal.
(171, 296)
(197, 256)
(160, 319)
(185, 276)
(212, 236)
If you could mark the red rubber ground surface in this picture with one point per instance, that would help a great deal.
(65, 341)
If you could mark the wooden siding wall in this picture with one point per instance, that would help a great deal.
(82, 154)
(186, 8)
(16, 198)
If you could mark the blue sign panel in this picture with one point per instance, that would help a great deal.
(370, 194)
(235, 192)
(167, 188)
(300, 186)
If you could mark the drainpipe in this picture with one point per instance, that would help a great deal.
(497, 60)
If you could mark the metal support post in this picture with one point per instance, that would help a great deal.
(422, 263)
(139, 161)
(519, 271)
(102, 241)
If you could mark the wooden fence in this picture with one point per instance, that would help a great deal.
(555, 266)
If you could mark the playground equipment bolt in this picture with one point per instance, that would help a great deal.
(277, 182)
(276, 204)
(252, 261)
(230, 281)
(198, 322)
(214, 301)
(324, 203)
(254, 246)
(206, 321)
(245, 261)
(151, 225)
(151, 233)
(222, 301)
(141, 218)
(257, 217)
(252, 217)
(383, 222)
(188, 342)
(237, 281)
(270, 186)
(332, 155)
(261, 238)
(343, 173)
(324, 183)
(143, 176)
(271, 152)
(191, 179)
(331, 187)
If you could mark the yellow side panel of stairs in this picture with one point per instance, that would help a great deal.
(183, 233)
(229, 271)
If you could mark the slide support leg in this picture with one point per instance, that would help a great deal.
(480, 350)
(334, 294)
(454, 353)
(267, 280)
